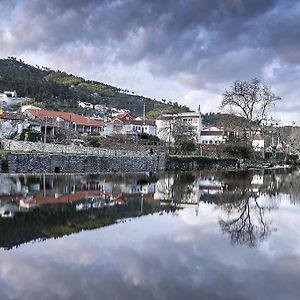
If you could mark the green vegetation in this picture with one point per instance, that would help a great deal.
(61, 91)
(64, 78)
(94, 140)
(32, 102)
(30, 136)
(184, 146)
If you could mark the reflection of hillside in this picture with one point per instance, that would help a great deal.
(62, 219)
(56, 200)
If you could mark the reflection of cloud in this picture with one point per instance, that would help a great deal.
(172, 260)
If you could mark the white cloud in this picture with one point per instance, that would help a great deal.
(208, 101)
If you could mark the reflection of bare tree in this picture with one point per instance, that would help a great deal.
(246, 223)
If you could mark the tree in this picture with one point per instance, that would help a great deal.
(184, 146)
(174, 128)
(252, 101)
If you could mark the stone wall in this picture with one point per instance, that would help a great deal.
(177, 163)
(45, 163)
(65, 149)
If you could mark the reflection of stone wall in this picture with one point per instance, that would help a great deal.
(44, 163)
(65, 149)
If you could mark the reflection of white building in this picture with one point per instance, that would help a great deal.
(210, 186)
(148, 188)
(256, 182)
(163, 189)
(8, 210)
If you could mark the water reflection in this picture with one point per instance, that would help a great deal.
(54, 205)
(205, 250)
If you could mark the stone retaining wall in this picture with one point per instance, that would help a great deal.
(45, 163)
(65, 149)
(186, 163)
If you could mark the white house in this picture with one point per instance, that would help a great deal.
(258, 142)
(85, 104)
(12, 94)
(212, 135)
(30, 106)
(127, 125)
(191, 120)
(138, 126)
(6, 95)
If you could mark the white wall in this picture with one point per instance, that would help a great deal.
(211, 139)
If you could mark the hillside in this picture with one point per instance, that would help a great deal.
(223, 120)
(61, 91)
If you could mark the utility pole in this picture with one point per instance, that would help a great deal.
(144, 112)
(45, 132)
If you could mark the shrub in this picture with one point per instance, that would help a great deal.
(184, 146)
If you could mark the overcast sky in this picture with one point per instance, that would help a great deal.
(181, 50)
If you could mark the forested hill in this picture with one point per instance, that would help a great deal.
(61, 91)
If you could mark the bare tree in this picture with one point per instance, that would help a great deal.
(251, 100)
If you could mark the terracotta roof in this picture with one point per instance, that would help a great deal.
(166, 117)
(67, 116)
(141, 122)
(208, 133)
(124, 116)
(77, 196)
(12, 116)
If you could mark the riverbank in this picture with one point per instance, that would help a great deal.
(79, 163)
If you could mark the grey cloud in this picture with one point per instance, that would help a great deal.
(213, 42)
(171, 27)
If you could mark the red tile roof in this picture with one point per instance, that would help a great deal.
(167, 117)
(141, 122)
(208, 133)
(67, 116)
(12, 116)
(124, 116)
(39, 199)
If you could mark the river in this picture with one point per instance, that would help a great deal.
(187, 235)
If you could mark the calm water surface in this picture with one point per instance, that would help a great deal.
(205, 235)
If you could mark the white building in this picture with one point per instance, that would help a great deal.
(191, 120)
(258, 143)
(30, 106)
(12, 94)
(85, 104)
(8, 94)
(212, 135)
(139, 127)
(129, 126)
